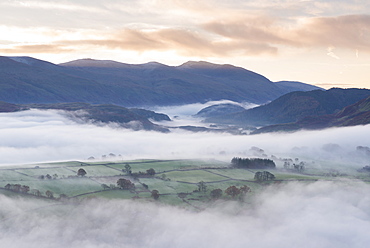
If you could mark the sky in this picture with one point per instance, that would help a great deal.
(325, 43)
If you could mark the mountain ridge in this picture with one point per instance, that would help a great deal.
(29, 80)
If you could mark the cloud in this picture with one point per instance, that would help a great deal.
(331, 53)
(67, 6)
(250, 36)
(320, 214)
(39, 136)
(36, 48)
(347, 31)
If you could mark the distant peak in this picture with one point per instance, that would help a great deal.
(206, 65)
(199, 64)
(88, 62)
(153, 64)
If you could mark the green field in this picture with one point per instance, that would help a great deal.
(176, 181)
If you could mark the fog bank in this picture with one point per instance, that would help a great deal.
(320, 214)
(37, 136)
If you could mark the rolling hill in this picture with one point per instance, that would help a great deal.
(294, 106)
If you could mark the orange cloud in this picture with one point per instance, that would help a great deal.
(351, 32)
(246, 37)
(40, 48)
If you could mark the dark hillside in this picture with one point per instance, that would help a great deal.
(295, 106)
(355, 114)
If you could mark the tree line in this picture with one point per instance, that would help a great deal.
(252, 163)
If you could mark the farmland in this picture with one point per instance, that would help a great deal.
(185, 183)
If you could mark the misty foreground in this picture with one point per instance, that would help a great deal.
(319, 214)
(326, 205)
(314, 206)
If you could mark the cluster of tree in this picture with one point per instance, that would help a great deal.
(252, 163)
(47, 176)
(149, 173)
(299, 167)
(110, 155)
(264, 176)
(26, 189)
(18, 188)
(232, 191)
(81, 172)
(125, 184)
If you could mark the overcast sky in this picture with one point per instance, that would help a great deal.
(325, 42)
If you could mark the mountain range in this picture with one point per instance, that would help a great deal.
(26, 80)
(96, 91)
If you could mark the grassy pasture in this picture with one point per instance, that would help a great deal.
(235, 173)
(10, 175)
(99, 170)
(70, 187)
(183, 174)
(168, 165)
(36, 172)
(168, 187)
(194, 176)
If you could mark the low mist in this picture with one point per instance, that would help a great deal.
(316, 214)
(320, 214)
(40, 136)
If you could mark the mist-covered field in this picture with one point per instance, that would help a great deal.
(295, 214)
(320, 214)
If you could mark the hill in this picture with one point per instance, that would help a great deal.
(290, 86)
(219, 109)
(294, 106)
(136, 119)
(355, 114)
(27, 80)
